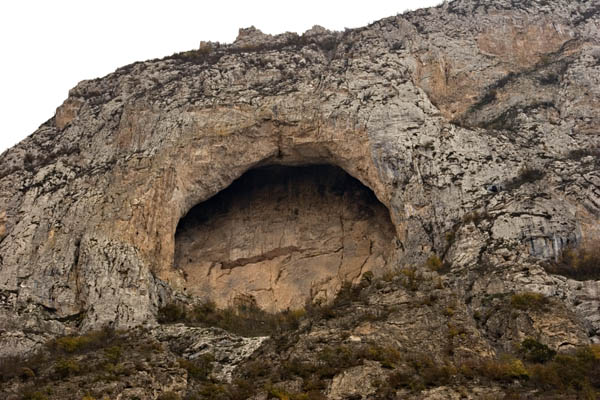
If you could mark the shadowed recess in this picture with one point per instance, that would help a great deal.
(281, 235)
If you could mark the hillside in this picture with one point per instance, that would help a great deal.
(405, 210)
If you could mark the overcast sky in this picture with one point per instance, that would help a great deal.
(49, 46)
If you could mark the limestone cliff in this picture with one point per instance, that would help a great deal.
(469, 133)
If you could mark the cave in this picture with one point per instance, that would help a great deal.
(281, 235)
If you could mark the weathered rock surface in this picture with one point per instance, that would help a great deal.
(438, 112)
(228, 350)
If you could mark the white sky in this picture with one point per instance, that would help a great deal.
(49, 46)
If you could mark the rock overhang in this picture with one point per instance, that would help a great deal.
(283, 236)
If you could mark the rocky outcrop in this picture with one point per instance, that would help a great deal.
(474, 124)
(227, 350)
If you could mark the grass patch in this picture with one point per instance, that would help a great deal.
(76, 344)
(529, 301)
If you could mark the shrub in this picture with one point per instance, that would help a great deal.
(400, 380)
(335, 359)
(338, 358)
(241, 389)
(450, 237)
(212, 391)
(410, 280)
(506, 369)
(171, 313)
(198, 368)
(81, 343)
(67, 366)
(10, 367)
(431, 373)
(423, 372)
(205, 48)
(246, 319)
(168, 396)
(529, 301)
(292, 368)
(533, 351)
(26, 373)
(434, 263)
(31, 395)
(274, 392)
(388, 356)
(113, 353)
(545, 59)
(567, 371)
(581, 263)
(347, 295)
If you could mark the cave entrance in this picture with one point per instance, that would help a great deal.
(281, 235)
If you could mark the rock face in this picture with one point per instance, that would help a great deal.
(474, 124)
(283, 236)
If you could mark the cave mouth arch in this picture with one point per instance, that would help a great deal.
(280, 235)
